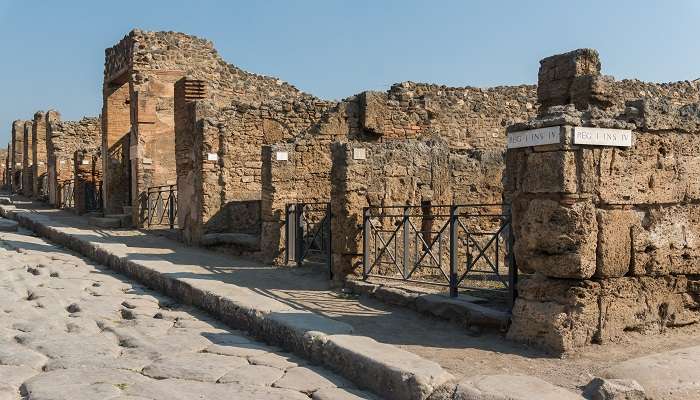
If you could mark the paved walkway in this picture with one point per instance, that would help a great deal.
(70, 329)
(449, 345)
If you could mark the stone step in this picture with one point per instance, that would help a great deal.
(124, 219)
(244, 240)
(105, 222)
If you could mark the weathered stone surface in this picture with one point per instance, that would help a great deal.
(557, 240)
(669, 375)
(614, 389)
(196, 367)
(307, 380)
(7, 225)
(614, 252)
(388, 371)
(83, 384)
(175, 389)
(562, 77)
(339, 394)
(550, 172)
(510, 387)
(252, 375)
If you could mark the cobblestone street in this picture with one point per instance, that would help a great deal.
(70, 329)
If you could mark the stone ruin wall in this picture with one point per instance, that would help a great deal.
(4, 154)
(472, 122)
(27, 165)
(87, 176)
(17, 155)
(612, 234)
(39, 132)
(65, 139)
(231, 185)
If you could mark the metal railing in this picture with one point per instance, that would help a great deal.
(161, 206)
(457, 246)
(67, 189)
(308, 233)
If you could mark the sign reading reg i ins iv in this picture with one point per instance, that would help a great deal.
(602, 136)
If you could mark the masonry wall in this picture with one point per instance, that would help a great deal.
(65, 138)
(27, 165)
(17, 154)
(147, 65)
(40, 178)
(611, 233)
(470, 120)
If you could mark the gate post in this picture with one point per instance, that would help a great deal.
(171, 207)
(453, 251)
(299, 234)
(406, 241)
(365, 242)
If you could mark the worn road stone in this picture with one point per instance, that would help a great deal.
(510, 387)
(72, 330)
(307, 380)
(668, 375)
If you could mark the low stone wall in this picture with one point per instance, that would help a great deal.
(611, 233)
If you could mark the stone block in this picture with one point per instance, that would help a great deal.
(557, 240)
(668, 241)
(550, 172)
(614, 389)
(510, 387)
(614, 252)
(558, 73)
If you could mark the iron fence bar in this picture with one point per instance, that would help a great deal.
(329, 243)
(299, 209)
(480, 253)
(406, 242)
(171, 209)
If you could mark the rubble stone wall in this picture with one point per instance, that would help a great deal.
(17, 154)
(39, 154)
(471, 120)
(27, 166)
(611, 233)
(65, 139)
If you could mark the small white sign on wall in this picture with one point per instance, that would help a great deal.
(534, 137)
(41, 163)
(147, 161)
(212, 157)
(359, 153)
(282, 156)
(85, 162)
(62, 162)
(602, 136)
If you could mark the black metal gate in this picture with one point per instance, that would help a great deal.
(93, 196)
(308, 234)
(161, 206)
(458, 246)
(67, 193)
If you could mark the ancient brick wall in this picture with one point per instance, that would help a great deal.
(27, 165)
(17, 154)
(4, 153)
(39, 129)
(471, 120)
(65, 138)
(612, 232)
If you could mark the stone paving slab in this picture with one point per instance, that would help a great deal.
(668, 375)
(86, 348)
(276, 322)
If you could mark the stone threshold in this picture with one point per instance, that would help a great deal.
(384, 369)
(463, 310)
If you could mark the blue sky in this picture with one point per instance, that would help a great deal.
(52, 52)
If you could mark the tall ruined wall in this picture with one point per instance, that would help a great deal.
(17, 154)
(400, 172)
(613, 233)
(4, 153)
(27, 165)
(471, 120)
(65, 138)
(87, 178)
(39, 132)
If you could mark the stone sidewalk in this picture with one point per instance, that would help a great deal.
(389, 350)
(70, 329)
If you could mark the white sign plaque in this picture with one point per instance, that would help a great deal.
(282, 156)
(602, 136)
(534, 137)
(85, 162)
(359, 154)
(212, 156)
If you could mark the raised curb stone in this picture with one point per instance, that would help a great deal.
(510, 387)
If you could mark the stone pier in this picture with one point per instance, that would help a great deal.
(606, 215)
(40, 178)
